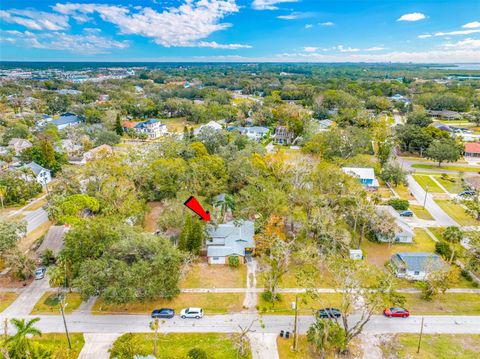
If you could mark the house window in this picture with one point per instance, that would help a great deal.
(416, 272)
(215, 258)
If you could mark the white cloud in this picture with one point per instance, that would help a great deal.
(414, 16)
(216, 45)
(35, 20)
(375, 48)
(424, 36)
(465, 44)
(185, 25)
(310, 49)
(83, 44)
(472, 25)
(456, 33)
(342, 48)
(308, 26)
(326, 23)
(269, 4)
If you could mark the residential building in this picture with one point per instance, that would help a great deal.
(472, 149)
(365, 175)
(356, 254)
(153, 128)
(42, 175)
(403, 232)
(445, 114)
(68, 146)
(97, 152)
(442, 126)
(255, 133)
(283, 135)
(228, 240)
(19, 145)
(416, 265)
(212, 124)
(66, 120)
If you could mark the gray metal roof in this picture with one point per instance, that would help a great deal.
(419, 261)
(36, 168)
(230, 238)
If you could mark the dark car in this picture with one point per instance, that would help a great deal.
(396, 312)
(467, 193)
(406, 213)
(329, 313)
(163, 313)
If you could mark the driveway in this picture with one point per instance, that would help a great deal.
(35, 219)
(437, 213)
(97, 345)
(27, 299)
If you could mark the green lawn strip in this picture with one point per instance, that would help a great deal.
(444, 304)
(433, 346)
(7, 298)
(403, 192)
(203, 275)
(57, 344)
(427, 183)
(177, 124)
(457, 213)
(177, 345)
(446, 167)
(292, 279)
(420, 212)
(452, 183)
(49, 303)
(212, 303)
(305, 350)
(306, 305)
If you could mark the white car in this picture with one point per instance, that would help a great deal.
(196, 313)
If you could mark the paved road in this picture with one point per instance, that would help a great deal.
(397, 118)
(25, 302)
(437, 213)
(229, 324)
(35, 219)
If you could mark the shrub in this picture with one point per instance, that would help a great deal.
(48, 257)
(197, 353)
(399, 204)
(443, 248)
(233, 261)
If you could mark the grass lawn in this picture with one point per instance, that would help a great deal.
(446, 167)
(27, 241)
(306, 305)
(212, 303)
(434, 346)
(49, 303)
(58, 344)
(177, 124)
(420, 212)
(202, 275)
(452, 183)
(177, 345)
(7, 298)
(291, 278)
(446, 304)
(457, 213)
(403, 192)
(378, 253)
(306, 352)
(425, 181)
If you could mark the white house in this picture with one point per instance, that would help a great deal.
(416, 265)
(97, 153)
(153, 128)
(365, 175)
(403, 232)
(212, 124)
(19, 144)
(228, 240)
(42, 175)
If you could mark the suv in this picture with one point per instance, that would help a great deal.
(406, 213)
(163, 313)
(329, 313)
(196, 313)
(40, 272)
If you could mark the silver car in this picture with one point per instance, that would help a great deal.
(40, 272)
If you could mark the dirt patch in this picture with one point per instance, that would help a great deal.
(155, 209)
(7, 281)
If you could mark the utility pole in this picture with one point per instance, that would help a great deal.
(420, 337)
(62, 309)
(426, 193)
(295, 327)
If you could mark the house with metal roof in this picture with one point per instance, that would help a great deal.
(153, 128)
(42, 175)
(19, 144)
(230, 239)
(416, 265)
(67, 119)
(403, 232)
(365, 175)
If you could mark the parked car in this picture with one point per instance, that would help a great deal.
(406, 213)
(163, 313)
(396, 312)
(196, 313)
(467, 193)
(40, 272)
(329, 313)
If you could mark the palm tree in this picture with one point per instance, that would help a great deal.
(19, 344)
(225, 204)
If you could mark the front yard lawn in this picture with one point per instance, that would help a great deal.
(403, 192)
(57, 344)
(420, 212)
(306, 305)
(452, 183)
(378, 253)
(446, 168)
(446, 304)
(457, 213)
(49, 303)
(305, 351)
(212, 303)
(7, 298)
(427, 182)
(177, 345)
(433, 346)
(203, 275)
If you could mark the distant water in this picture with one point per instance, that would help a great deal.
(459, 67)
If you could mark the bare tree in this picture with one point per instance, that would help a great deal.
(242, 341)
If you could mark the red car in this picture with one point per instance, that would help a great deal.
(396, 312)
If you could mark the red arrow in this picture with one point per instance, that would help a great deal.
(196, 207)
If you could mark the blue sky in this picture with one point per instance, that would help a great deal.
(438, 31)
